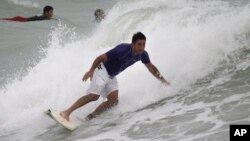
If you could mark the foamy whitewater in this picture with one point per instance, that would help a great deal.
(201, 46)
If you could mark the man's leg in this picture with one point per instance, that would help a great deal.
(79, 103)
(112, 101)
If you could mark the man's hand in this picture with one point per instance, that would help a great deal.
(156, 73)
(97, 61)
(87, 75)
(165, 82)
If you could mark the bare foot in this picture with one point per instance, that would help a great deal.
(65, 115)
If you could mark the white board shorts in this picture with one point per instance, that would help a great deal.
(102, 83)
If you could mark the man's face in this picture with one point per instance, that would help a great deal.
(49, 14)
(139, 46)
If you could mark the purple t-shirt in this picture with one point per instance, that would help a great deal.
(121, 57)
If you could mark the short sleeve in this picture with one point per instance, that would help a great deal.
(145, 58)
(115, 52)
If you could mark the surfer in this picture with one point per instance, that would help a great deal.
(47, 15)
(103, 74)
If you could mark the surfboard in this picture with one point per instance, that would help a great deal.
(16, 19)
(72, 124)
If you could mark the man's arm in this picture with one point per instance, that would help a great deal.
(96, 63)
(156, 73)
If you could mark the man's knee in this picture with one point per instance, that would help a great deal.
(113, 98)
(93, 97)
(115, 102)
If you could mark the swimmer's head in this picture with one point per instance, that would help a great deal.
(99, 15)
(48, 11)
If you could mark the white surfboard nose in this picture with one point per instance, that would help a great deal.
(70, 125)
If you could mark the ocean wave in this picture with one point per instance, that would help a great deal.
(25, 3)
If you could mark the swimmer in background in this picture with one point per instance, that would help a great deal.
(99, 15)
(47, 15)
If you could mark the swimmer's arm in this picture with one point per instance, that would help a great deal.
(54, 19)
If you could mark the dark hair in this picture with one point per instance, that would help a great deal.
(47, 8)
(98, 12)
(138, 36)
